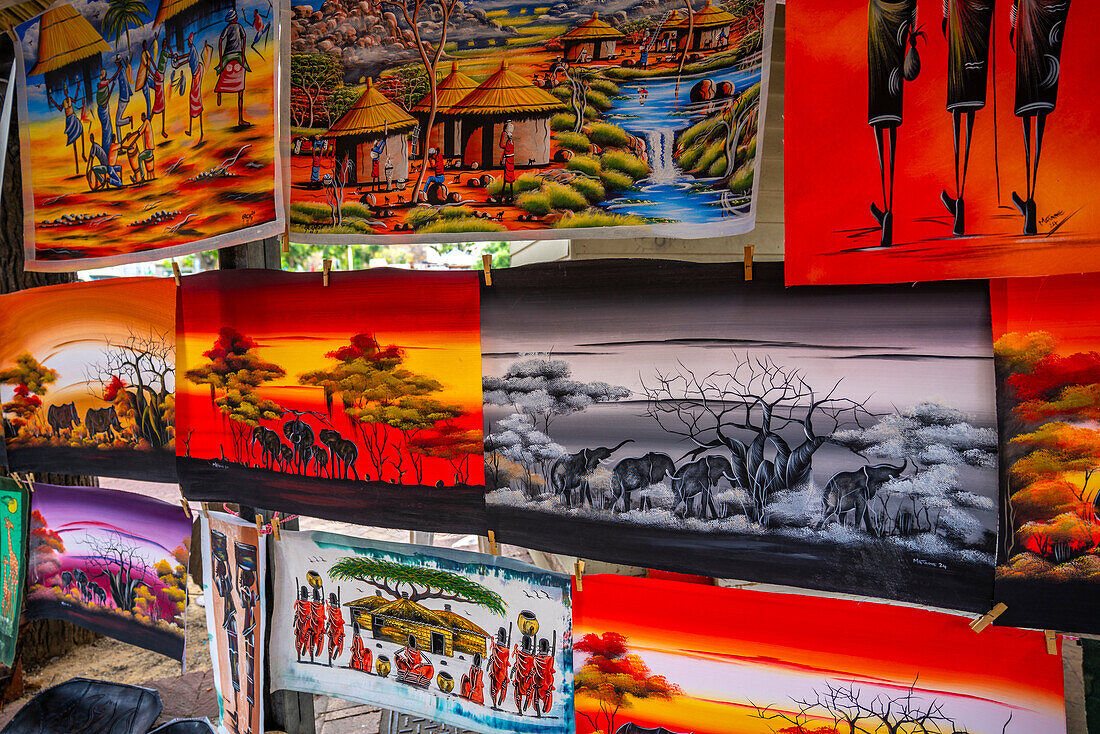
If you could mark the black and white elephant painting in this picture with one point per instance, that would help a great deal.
(639, 473)
(569, 474)
(698, 479)
(852, 491)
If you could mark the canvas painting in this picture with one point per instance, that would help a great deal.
(106, 178)
(464, 639)
(359, 401)
(13, 568)
(934, 139)
(87, 378)
(234, 556)
(419, 119)
(1047, 351)
(111, 561)
(674, 416)
(663, 657)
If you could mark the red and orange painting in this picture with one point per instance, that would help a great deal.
(936, 139)
(664, 656)
(360, 400)
(1047, 351)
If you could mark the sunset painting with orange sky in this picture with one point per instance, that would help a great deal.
(708, 660)
(87, 378)
(361, 399)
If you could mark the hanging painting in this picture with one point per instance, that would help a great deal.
(13, 569)
(113, 562)
(358, 401)
(939, 139)
(106, 178)
(87, 378)
(615, 119)
(673, 415)
(669, 657)
(465, 639)
(1048, 370)
(234, 558)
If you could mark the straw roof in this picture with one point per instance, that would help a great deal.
(13, 15)
(171, 8)
(708, 17)
(409, 611)
(368, 603)
(507, 93)
(371, 114)
(458, 622)
(65, 37)
(592, 29)
(450, 91)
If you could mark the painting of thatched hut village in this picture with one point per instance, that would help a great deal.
(87, 378)
(427, 117)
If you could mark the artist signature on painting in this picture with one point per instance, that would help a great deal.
(933, 564)
(1051, 217)
(219, 465)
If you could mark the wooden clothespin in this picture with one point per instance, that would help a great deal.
(205, 509)
(578, 571)
(1052, 641)
(186, 508)
(286, 239)
(259, 524)
(487, 267)
(493, 550)
(275, 528)
(176, 271)
(328, 269)
(986, 619)
(749, 249)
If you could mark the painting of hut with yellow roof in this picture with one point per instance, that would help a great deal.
(421, 119)
(148, 129)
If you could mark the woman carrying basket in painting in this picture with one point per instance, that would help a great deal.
(74, 128)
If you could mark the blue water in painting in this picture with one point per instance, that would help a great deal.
(668, 192)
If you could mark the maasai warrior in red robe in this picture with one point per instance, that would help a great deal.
(498, 669)
(544, 678)
(508, 160)
(412, 666)
(473, 683)
(317, 617)
(335, 629)
(360, 655)
(303, 628)
(523, 674)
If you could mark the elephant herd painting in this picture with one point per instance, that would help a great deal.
(842, 440)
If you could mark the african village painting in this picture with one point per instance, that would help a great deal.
(419, 118)
(110, 561)
(87, 378)
(674, 416)
(147, 125)
(357, 401)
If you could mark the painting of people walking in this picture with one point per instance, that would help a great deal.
(357, 401)
(671, 658)
(418, 119)
(87, 378)
(110, 561)
(675, 416)
(149, 128)
(1048, 379)
(473, 641)
(934, 139)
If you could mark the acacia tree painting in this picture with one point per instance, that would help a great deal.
(615, 678)
(421, 583)
(452, 443)
(121, 565)
(135, 375)
(31, 379)
(314, 77)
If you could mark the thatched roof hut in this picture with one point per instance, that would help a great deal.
(179, 18)
(709, 25)
(69, 50)
(441, 632)
(373, 117)
(592, 40)
(446, 134)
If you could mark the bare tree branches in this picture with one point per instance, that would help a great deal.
(121, 564)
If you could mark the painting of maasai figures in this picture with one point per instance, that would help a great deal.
(87, 378)
(106, 178)
(470, 640)
(111, 561)
(358, 401)
(417, 119)
(933, 139)
(13, 567)
(234, 557)
(666, 657)
(1047, 351)
(674, 416)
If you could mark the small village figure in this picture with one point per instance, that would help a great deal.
(223, 585)
(139, 149)
(303, 623)
(232, 65)
(389, 174)
(523, 674)
(335, 628)
(317, 616)
(472, 686)
(103, 109)
(498, 667)
(435, 159)
(262, 25)
(360, 653)
(74, 128)
(315, 171)
(544, 677)
(508, 160)
(101, 172)
(143, 80)
(198, 68)
(249, 595)
(125, 91)
(375, 155)
(412, 666)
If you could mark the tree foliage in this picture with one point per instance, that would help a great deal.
(30, 372)
(422, 583)
(121, 16)
(615, 678)
(313, 79)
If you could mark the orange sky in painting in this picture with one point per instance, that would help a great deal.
(1063, 305)
(794, 642)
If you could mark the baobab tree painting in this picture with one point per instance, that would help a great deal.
(87, 378)
(654, 655)
(327, 400)
(1048, 379)
(111, 561)
(673, 415)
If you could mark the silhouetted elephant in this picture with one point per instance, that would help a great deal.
(344, 453)
(100, 594)
(639, 473)
(319, 456)
(569, 474)
(66, 581)
(81, 579)
(699, 478)
(102, 420)
(62, 417)
(850, 491)
(300, 435)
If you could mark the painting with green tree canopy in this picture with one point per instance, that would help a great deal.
(469, 640)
